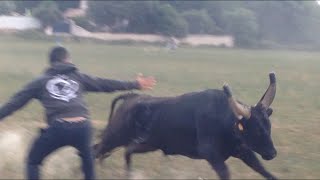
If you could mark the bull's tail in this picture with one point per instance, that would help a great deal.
(109, 139)
(121, 97)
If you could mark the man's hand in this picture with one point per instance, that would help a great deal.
(145, 83)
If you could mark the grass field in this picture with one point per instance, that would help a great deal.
(296, 118)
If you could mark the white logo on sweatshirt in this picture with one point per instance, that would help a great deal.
(62, 88)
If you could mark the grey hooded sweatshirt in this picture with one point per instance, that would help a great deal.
(60, 90)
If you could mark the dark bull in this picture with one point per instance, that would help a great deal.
(210, 125)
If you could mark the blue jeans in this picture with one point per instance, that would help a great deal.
(62, 133)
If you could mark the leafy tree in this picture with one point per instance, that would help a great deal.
(278, 22)
(6, 7)
(217, 10)
(153, 17)
(22, 6)
(48, 13)
(182, 6)
(169, 22)
(199, 22)
(287, 22)
(109, 12)
(243, 25)
(311, 25)
(143, 16)
(63, 5)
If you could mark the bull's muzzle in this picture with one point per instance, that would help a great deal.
(270, 155)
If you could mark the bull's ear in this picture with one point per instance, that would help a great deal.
(240, 127)
(269, 111)
(238, 109)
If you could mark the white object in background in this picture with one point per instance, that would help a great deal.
(19, 23)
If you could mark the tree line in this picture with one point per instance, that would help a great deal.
(251, 23)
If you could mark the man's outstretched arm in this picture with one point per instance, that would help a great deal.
(19, 99)
(95, 84)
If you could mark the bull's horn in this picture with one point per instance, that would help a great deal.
(238, 109)
(269, 95)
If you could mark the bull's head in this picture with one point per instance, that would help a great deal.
(253, 123)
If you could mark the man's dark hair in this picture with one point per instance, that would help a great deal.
(58, 54)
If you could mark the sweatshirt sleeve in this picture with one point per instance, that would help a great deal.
(95, 84)
(20, 99)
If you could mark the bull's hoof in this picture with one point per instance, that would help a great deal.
(100, 161)
(272, 178)
(129, 174)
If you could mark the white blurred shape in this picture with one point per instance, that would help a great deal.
(12, 149)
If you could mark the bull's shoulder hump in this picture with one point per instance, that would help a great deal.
(206, 92)
(146, 99)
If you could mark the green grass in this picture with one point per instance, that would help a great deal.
(295, 119)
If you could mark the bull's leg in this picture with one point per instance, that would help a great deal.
(135, 148)
(111, 141)
(250, 159)
(215, 160)
(208, 148)
(221, 169)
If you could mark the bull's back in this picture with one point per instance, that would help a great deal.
(175, 119)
